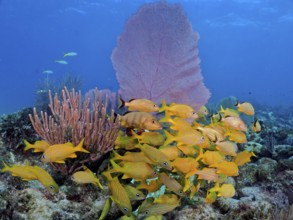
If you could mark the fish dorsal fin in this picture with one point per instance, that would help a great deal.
(125, 176)
(87, 170)
(237, 103)
(69, 144)
(130, 100)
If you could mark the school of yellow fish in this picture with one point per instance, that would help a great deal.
(182, 152)
(170, 152)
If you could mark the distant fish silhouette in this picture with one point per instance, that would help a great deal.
(61, 61)
(70, 54)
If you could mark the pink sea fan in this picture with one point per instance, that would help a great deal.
(157, 57)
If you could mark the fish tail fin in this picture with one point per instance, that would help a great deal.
(164, 105)
(6, 167)
(169, 138)
(98, 183)
(166, 118)
(80, 148)
(121, 103)
(108, 175)
(116, 167)
(27, 145)
(135, 136)
(116, 156)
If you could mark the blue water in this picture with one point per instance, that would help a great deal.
(246, 47)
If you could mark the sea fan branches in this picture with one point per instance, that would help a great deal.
(73, 119)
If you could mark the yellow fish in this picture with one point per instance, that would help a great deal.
(160, 208)
(188, 166)
(132, 157)
(235, 123)
(229, 112)
(141, 105)
(135, 170)
(208, 174)
(179, 110)
(226, 168)
(155, 139)
(172, 152)
(119, 194)
(203, 110)
(256, 127)
(179, 124)
(106, 208)
(151, 186)
(243, 157)
(26, 172)
(134, 193)
(227, 148)
(125, 142)
(45, 179)
(156, 156)
(225, 190)
(186, 137)
(86, 176)
(22, 171)
(245, 107)
(188, 150)
(171, 184)
(212, 134)
(167, 198)
(140, 120)
(212, 157)
(236, 136)
(38, 146)
(211, 197)
(57, 153)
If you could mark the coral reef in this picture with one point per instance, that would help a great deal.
(16, 127)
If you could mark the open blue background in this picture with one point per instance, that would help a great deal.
(246, 46)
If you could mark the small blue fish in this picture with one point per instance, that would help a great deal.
(70, 54)
(48, 72)
(61, 61)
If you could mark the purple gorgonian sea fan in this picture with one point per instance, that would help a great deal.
(157, 57)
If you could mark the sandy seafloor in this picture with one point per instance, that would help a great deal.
(264, 188)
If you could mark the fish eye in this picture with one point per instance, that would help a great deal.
(202, 138)
(137, 194)
(165, 163)
(155, 173)
(155, 106)
(146, 212)
(193, 113)
(72, 177)
(153, 121)
(125, 209)
(51, 187)
(43, 156)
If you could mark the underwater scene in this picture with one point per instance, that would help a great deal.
(144, 109)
